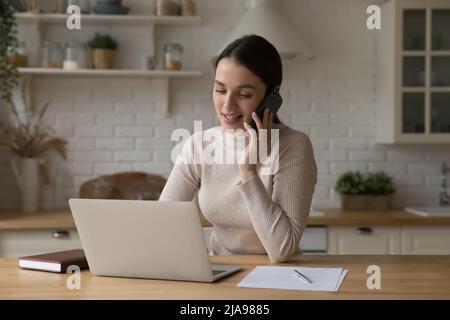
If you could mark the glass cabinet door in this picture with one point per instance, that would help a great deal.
(414, 27)
(440, 29)
(440, 112)
(425, 71)
(413, 113)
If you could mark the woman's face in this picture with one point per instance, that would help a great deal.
(237, 93)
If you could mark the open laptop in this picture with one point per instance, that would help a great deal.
(145, 239)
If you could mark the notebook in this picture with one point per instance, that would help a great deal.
(274, 277)
(54, 261)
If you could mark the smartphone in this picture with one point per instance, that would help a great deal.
(272, 101)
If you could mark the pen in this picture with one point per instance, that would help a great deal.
(302, 276)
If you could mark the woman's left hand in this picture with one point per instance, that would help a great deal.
(247, 170)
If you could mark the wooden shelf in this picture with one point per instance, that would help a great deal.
(162, 77)
(130, 20)
(110, 73)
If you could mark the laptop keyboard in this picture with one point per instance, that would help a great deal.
(216, 272)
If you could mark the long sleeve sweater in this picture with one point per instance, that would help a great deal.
(266, 214)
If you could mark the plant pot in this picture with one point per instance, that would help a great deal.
(27, 175)
(353, 202)
(364, 202)
(103, 58)
(378, 203)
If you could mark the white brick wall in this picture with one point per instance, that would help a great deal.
(119, 124)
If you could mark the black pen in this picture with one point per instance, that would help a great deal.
(302, 276)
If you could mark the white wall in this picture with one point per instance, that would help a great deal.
(117, 124)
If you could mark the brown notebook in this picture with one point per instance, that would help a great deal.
(55, 261)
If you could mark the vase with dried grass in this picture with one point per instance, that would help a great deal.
(28, 138)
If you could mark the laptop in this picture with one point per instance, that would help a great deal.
(145, 239)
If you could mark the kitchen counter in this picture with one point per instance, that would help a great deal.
(62, 219)
(402, 277)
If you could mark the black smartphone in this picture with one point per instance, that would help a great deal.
(272, 101)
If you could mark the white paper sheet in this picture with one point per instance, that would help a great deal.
(274, 277)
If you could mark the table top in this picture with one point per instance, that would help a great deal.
(402, 277)
(62, 219)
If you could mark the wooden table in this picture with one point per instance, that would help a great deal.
(402, 277)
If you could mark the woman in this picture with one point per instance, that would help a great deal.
(251, 213)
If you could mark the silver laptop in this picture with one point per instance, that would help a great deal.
(145, 239)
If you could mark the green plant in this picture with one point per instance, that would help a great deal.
(102, 42)
(8, 44)
(356, 183)
(30, 137)
(379, 183)
(351, 183)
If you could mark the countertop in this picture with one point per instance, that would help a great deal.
(402, 277)
(62, 219)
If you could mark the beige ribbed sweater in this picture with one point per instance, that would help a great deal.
(267, 213)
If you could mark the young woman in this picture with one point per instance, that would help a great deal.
(251, 213)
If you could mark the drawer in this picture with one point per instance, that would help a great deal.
(426, 240)
(16, 243)
(364, 240)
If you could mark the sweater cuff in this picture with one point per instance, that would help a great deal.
(253, 191)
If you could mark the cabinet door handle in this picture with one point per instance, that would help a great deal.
(365, 230)
(61, 234)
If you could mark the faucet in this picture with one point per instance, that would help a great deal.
(444, 197)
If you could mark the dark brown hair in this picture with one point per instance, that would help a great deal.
(259, 56)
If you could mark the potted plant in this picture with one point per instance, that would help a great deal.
(29, 138)
(365, 192)
(103, 50)
(26, 136)
(350, 186)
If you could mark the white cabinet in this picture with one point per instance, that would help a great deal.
(16, 243)
(413, 72)
(389, 240)
(364, 240)
(426, 240)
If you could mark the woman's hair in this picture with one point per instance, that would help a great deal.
(259, 56)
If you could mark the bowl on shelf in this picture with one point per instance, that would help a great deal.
(110, 7)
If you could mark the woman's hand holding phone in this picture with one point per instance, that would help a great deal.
(247, 170)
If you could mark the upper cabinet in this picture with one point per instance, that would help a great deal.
(413, 63)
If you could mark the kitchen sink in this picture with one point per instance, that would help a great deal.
(430, 211)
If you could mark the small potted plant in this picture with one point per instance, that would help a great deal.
(350, 186)
(364, 192)
(378, 187)
(103, 51)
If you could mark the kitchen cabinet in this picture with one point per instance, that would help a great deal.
(16, 243)
(413, 81)
(425, 240)
(364, 240)
(389, 240)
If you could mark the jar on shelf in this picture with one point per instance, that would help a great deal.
(173, 56)
(51, 55)
(19, 56)
(167, 8)
(188, 7)
(70, 57)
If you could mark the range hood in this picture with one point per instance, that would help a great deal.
(262, 18)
